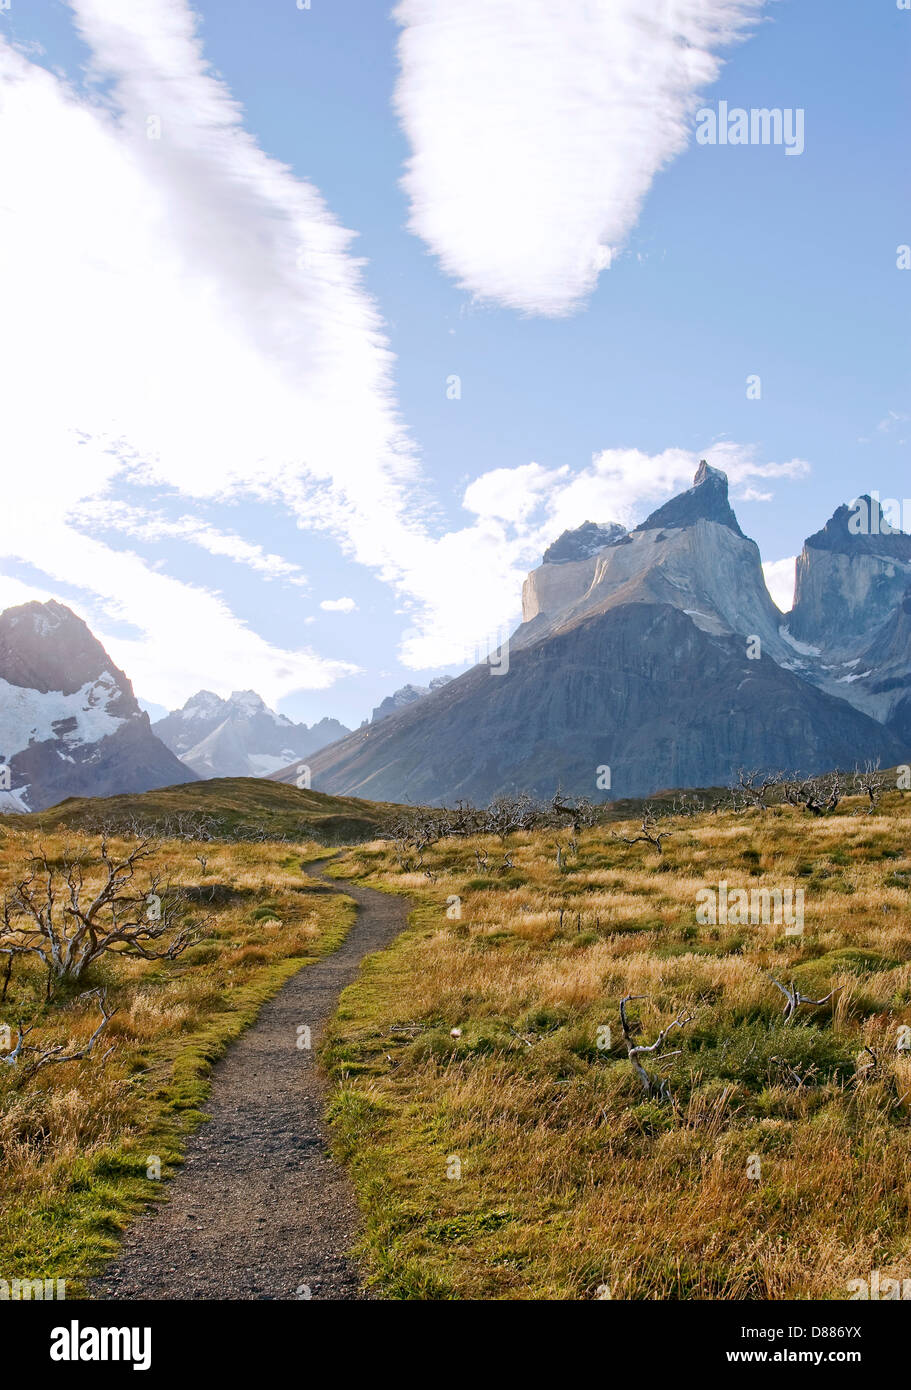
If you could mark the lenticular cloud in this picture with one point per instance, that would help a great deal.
(537, 127)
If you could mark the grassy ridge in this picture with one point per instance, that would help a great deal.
(782, 1167)
(233, 806)
(75, 1143)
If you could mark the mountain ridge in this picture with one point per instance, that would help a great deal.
(678, 605)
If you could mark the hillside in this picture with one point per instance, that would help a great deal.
(223, 808)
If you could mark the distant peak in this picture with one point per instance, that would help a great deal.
(247, 700)
(203, 697)
(706, 500)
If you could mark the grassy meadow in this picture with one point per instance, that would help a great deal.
(76, 1140)
(502, 1147)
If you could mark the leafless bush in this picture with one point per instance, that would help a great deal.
(648, 832)
(52, 915)
(756, 786)
(819, 795)
(580, 812)
(870, 782)
(794, 999)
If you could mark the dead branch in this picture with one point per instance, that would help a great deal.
(55, 1055)
(648, 832)
(795, 999)
(652, 1085)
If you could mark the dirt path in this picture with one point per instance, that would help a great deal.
(259, 1208)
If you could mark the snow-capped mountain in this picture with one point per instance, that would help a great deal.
(69, 722)
(240, 736)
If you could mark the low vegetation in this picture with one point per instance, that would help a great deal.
(741, 1131)
(104, 1065)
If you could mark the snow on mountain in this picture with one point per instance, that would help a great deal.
(240, 736)
(69, 722)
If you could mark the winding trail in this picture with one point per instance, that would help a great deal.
(259, 1209)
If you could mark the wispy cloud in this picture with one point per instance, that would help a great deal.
(153, 526)
(184, 315)
(536, 130)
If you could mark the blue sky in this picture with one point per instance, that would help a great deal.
(201, 556)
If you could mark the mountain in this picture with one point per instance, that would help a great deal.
(240, 736)
(69, 722)
(850, 627)
(637, 651)
(406, 695)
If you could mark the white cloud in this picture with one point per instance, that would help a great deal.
(536, 130)
(339, 605)
(182, 314)
(780, 577)
(182, 317)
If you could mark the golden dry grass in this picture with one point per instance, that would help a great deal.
(782, 1166)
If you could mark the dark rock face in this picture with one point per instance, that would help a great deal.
(69, 722)
(240, 736)
(861, 529)
(706, 500)
(640, 689)
(586, 540)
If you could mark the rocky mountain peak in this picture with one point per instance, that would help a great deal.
(248, 701)
(852, 576)
(706, 500)
(406, 695)
(240, 736)
(861, 528)
(204, 703)
(45, 647)
(586, 540)
(69, 722)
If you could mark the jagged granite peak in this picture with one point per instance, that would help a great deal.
(240, 736)
(70, 724)
(861, 528)
(852, 575)
(706, 500)
(586, 540)
(247, 702)
(696, 562)
(203, 705)
(46, 647)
